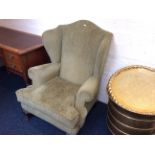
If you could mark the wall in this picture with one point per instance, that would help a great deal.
(133, 42)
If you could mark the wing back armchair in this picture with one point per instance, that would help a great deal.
(63, 92)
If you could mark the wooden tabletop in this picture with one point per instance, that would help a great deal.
(18, 41)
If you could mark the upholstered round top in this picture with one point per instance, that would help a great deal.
(133, 88)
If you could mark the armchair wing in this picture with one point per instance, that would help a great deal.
(43, 73)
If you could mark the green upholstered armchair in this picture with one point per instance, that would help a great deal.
(63, 92)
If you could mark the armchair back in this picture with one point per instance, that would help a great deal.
(80, 49)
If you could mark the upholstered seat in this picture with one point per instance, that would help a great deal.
(50, 101)
(63, 92)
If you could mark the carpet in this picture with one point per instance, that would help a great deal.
(14, 122)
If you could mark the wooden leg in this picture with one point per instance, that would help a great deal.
(26, 79)
(27, 114)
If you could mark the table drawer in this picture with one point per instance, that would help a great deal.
(14, 67)
(11, 58)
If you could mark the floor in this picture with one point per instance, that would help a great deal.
(14, 122)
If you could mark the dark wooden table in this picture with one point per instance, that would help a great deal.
(20, 50)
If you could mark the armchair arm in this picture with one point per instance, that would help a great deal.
(43, 73)
(86, 94)
(87, 91)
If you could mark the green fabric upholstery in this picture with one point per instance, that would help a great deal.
(41, 74)
(79, 48)
(63, 92)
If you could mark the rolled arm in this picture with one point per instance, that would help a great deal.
(87, 91)
(86, 94)
(43, 73)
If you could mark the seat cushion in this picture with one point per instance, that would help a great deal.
(56, 98)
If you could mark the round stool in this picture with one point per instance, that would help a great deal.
(131, 106)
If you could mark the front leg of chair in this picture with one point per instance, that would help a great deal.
(27, 115)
